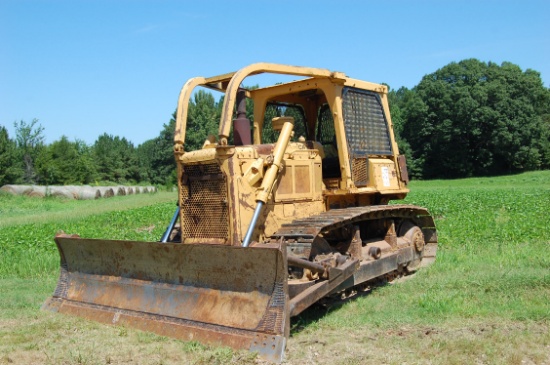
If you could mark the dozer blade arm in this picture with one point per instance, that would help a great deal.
(224, 295)
(311, 295)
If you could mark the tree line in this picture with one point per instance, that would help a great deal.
(473, 118)
(469, 118)
(27, 159)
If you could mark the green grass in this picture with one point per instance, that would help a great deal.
(22, 210)
(28, 226)
(485, 300)
(487, 297)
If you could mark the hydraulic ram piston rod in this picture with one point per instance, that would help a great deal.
(166, 235)
(272, 172)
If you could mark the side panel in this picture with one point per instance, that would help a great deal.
(297, 191)
(383, 174)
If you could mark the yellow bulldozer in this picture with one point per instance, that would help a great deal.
(287, 205)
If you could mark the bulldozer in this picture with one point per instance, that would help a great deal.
(287, 206)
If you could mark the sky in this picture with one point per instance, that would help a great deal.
(88, 67)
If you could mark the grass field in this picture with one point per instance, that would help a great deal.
(486, 300)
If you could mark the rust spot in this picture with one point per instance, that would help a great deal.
(264, 149)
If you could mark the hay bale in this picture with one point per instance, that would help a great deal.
(62, 191)
(38, 191)
(106, 191)
(87, 192)
(17, 189)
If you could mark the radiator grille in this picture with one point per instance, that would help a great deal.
(359, 171)
(203, 202)
(365, 123)
(366, 131)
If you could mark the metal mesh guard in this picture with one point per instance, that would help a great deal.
(366, 127)
(204, 202)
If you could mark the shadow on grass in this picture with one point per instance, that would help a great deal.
(327, 305)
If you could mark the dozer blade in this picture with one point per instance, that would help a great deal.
(223, 295)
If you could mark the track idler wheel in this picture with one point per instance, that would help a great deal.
(413, 234)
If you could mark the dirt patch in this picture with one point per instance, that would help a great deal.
(146, 229)
(473, 343)
(50, 338)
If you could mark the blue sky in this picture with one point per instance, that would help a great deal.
(84, 68)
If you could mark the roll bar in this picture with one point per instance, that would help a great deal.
(230, 84)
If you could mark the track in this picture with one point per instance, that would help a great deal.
(359, 267)
(306, 229)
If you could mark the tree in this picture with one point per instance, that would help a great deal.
(398, 100)
(10, 169)
(64, 162)
(473, 118)
(156, 156)
(144, 154)
(29, 141)
(202, 120)
(544, 142)
(84, 167)
(116, 159)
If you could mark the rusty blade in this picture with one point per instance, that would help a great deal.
(218, 294)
